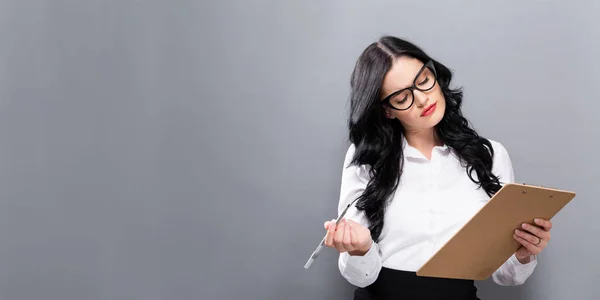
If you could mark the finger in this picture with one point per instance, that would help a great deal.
(338, 238)
(330, 233)
(328, 223)
(544, 223)
(533, 249)
(347, 241)
(532, 239)
(329, 238)
(537, 231)
(353, 236)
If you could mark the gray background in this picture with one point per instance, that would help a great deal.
(193, 149)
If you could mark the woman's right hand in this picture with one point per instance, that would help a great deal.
(348, 236)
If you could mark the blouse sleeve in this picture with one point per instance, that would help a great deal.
(512, 272)
(360, 271)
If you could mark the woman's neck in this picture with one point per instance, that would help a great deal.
(423, 140)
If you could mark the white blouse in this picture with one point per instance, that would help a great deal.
(434, 199)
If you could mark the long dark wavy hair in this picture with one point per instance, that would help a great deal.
(378, 140)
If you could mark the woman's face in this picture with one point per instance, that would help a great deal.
(428, 107)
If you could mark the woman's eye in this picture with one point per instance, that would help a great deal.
(424, 81)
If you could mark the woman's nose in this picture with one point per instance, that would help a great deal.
(420, 98)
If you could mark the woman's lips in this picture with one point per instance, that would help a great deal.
(429, 110)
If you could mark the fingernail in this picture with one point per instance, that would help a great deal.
(537, 221)
(524, 225)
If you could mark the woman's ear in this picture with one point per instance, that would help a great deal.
(388, 115)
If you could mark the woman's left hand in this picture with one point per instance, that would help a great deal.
(533, 239)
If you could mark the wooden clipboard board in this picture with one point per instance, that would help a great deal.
(484, 243)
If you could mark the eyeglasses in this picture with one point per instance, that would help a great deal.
(404, 98)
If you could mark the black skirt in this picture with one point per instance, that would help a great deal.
(400, 285)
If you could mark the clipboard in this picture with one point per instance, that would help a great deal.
(484, 243)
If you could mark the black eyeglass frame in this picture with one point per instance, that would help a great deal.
(429, 64)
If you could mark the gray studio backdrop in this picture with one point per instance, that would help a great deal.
(193, 149)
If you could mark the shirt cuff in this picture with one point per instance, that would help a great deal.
(522, 271)
(361, 269)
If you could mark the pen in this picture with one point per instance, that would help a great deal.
(315, 254)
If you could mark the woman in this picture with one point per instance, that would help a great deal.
(418, 172)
